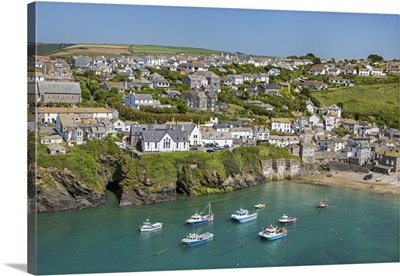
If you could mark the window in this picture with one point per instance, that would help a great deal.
(167, 143)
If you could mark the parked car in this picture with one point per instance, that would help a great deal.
(367, 177)
(210, 150)
(226, 146)
(193, 148)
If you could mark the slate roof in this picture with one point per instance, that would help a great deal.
(144, 97)
(157, 135)
(50, 87)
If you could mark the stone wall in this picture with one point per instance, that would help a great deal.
(344, 167)
(280, 168)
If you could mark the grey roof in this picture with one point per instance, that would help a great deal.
(269, 86)
(157, 135)
(153, 135)
(51, 87)
(55, 147)
(143, 97)
(222, 125)
(178, 135)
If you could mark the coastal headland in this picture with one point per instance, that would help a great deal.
(156, 178)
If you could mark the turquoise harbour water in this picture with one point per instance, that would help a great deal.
(359, 227)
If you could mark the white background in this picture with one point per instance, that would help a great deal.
(13, 229)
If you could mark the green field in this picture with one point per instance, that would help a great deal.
(93, 50)
(170, 50)
(378, 103)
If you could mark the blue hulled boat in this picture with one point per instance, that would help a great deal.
(243, 215)
(273, 233)
(199, 218)
(196, 239)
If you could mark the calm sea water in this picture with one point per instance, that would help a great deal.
(359, 227)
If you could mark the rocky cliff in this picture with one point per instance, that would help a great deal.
(141, 182)
(58, 190)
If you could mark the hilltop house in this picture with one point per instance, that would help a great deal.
(170, 94)
(57, 68)
(119, 86)
(316, 85)
(196, 100)
(270, 89)
(195, 81)
(50, 114)
(193, 66)
(260, 133)
(80, 62)
(137, 100)
(281, 125)
(212, 78)
(220, 138)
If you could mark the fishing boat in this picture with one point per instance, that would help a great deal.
(323, 204)
(259, 206)
(199, 218)
(148, 226)
(243, 215)
(196, 239)
(273, 233)
(285, 219)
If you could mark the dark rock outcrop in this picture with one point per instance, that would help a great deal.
(143, 196)
(58, 190)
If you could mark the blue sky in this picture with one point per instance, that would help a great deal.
(258, 32)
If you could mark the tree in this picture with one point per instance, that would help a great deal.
(375, 58)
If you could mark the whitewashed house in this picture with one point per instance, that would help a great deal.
(378, 72)
(260, 133)
(333, 71)
(209, 135)
(244, 133)
(317, 71)
(68, 128)
(282, 125)
(364, 71)
(337, 144)
(164, 141)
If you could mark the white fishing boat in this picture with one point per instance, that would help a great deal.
(243, 215)
(273, 233)
(148, 226)
(196, 239)
(285, 219)
(201, 218)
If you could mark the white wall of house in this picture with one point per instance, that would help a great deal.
(195, 137)
(119, 125)
(167, 144)
(282, 127)
(364, 72)
(242, 133)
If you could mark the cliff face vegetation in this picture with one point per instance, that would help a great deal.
(79, 179)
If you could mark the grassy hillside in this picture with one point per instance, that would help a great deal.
(93, 50)
(377, 103)
(170, 50)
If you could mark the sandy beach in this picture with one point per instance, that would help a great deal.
(386, 184)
